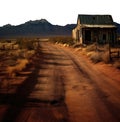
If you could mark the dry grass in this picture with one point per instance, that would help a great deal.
(62, 40)
(89, 54)
(15, 55)
(91, 47)
(99, 56)
(21, 53)
(98, 53)
(12, 70)
(105, 57)
(79, 45)
(95, 57)
(29, 54)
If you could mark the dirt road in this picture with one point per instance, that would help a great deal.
(64, 86)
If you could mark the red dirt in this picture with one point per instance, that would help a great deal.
(62, 85)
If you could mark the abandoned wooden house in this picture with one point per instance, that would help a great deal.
(94, 28)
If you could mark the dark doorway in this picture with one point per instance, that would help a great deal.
(104, 38)
(112, 41)
(78, 35)
(87, 36)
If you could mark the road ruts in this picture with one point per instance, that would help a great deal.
(40, 98)
(90, 95)
(66, 87)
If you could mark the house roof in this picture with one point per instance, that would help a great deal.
(95, 19)
(97, 26)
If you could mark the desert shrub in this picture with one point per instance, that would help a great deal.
(16, 54)
(29, 53)
(79, 45)
(89, 54)
(91, 47)
(99, 56)
(21, 54)
(25, 44)
(95, 57)
(98, 53)
(12, 70)
(16, 46)
(117, 64)
(105, 57)
(62, 40)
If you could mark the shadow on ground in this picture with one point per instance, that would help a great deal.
(19, 100)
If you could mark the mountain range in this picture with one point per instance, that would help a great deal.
(36, 28)
(39, 28)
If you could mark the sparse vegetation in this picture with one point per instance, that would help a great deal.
(95, 57)
(15, 56)
(96, 52)
(25, 43)
(105, 57)
(12, 70)
(62, 40)
(100, 53)
(91, 47)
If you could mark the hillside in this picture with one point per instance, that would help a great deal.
(36, 28)
(39, 28)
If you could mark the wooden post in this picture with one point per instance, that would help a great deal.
(110, 51)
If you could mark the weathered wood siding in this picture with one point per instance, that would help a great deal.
(94, 28)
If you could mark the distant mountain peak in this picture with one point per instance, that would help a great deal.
(39, 27)
(37, 21)
(7, 25)
(44, 21)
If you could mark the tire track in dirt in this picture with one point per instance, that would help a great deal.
(41, 96)
(112, 108)
(64, 88)
(93, 78)
(52, 86)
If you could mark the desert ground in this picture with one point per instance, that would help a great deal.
(60, 84)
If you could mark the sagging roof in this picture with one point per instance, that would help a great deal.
(95, 19)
